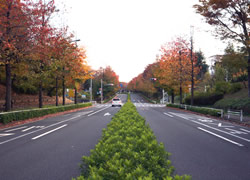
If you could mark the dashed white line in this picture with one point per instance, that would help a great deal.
(18, 137)
(49, 132)
(6, 134)
(16, 129)
(28, 128)
(209, 132)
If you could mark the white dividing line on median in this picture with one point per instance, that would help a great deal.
(98, 111)
(16, 129)
(228, 140)
(245, 130)
(168, 114)
(44, 134)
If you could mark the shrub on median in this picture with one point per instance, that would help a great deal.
(128, 150)
(27, 114)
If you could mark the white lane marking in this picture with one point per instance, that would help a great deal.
(98, 111)
(18, 137)
(49, 132)
(248, 140)
(168, 114)
(6, 134)
(16, 129)
(84, 113)
(179, 115)
(28, 128)
(245, 130)
(209, 132)
(107, 114)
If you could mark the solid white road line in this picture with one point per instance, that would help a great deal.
(16, 129)
(28, 128)
(168, 115)
(233, 142)
(49, 132)
(98, 111)
(248, 140)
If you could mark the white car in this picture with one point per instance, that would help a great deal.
(116, 102)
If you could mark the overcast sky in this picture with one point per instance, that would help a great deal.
(127, 34)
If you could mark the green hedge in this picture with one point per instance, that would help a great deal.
(208, 98)
(128, 149)
(238, 104)
(202, 110)
(8, 117)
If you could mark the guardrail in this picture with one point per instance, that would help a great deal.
(235, 113)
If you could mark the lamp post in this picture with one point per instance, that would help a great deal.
(192, 64)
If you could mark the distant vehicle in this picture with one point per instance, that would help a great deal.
(116, 102)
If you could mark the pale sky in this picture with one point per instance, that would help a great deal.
(127, 34)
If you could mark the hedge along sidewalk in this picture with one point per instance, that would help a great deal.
(128, 149)
(202, 110)
(8, 117)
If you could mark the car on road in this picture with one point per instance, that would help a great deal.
(116, 102)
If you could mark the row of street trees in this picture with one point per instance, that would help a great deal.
(34, 56)
(173, 71)
(178, 69)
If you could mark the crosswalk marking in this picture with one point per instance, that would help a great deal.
(136, 104)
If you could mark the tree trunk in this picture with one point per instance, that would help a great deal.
(63, 88)
(8, 87)
(56, 91)
(180, 94)
(40, 94)
(172, 96)
(75, 96)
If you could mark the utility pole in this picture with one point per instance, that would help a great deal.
(192, 63)
(101, 92)
(163, 93)
(90, 90)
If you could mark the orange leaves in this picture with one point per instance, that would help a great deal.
(175, 65)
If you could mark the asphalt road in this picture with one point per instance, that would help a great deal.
(52, 148)
(205, 148)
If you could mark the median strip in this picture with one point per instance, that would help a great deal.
(128, 149)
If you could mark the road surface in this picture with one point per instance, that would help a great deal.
(203, 147)
(52, 149)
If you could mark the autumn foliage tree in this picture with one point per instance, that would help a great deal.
(175, 67)
(15, 35)
(231, 19)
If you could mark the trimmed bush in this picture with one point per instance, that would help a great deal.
(8, 117)
(128, 149)
(208, 98)
(235, 87)
(238, 104)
